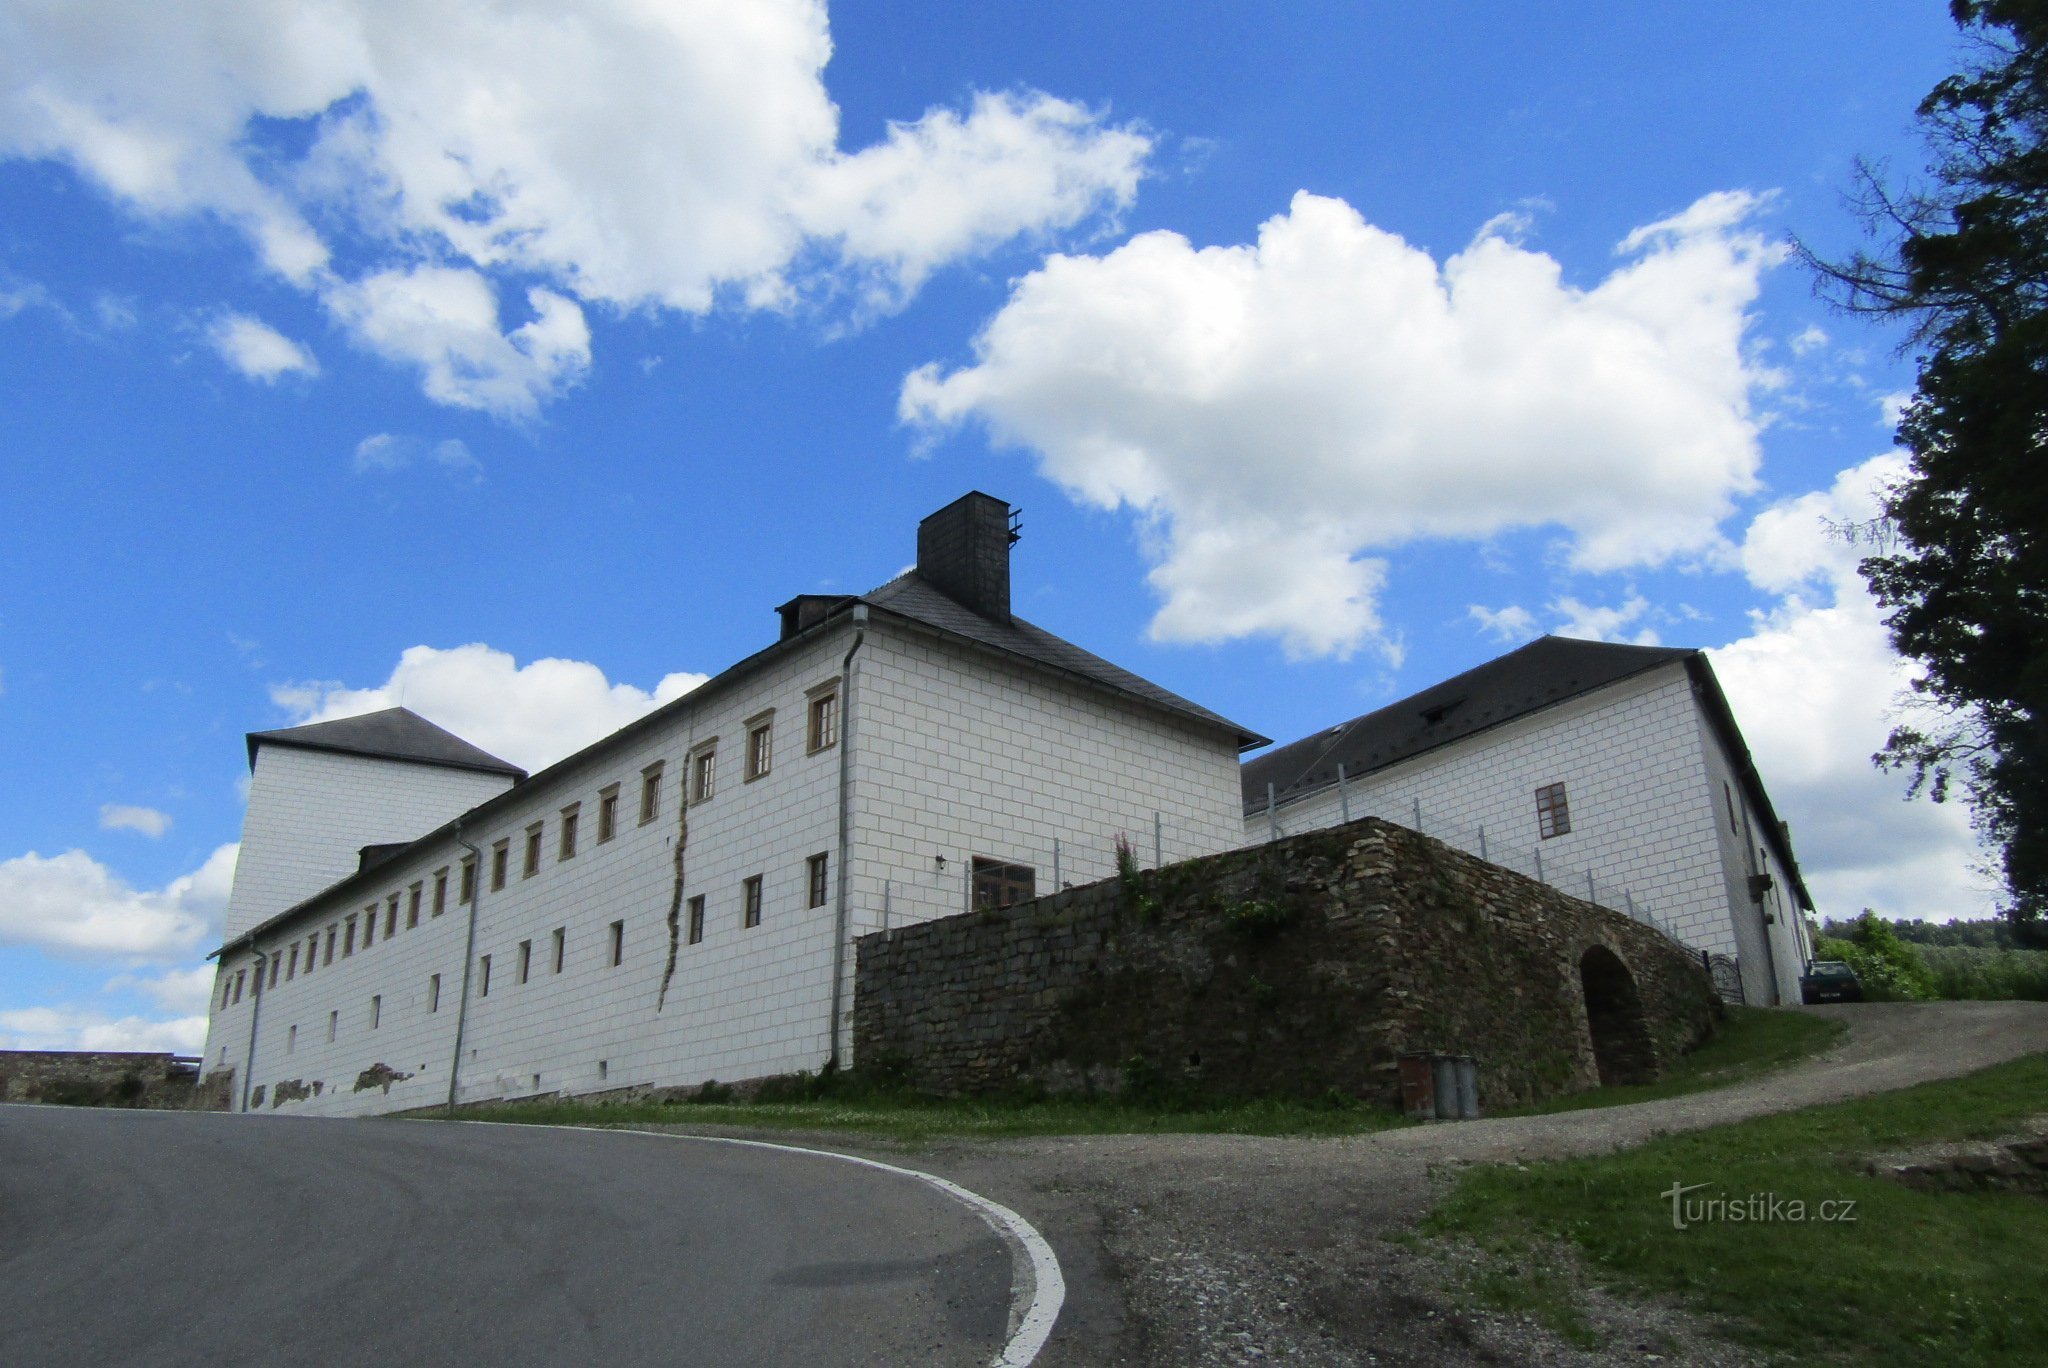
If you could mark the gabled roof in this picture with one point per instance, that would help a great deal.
(1548, 670)
(912, 596)
(393, 734)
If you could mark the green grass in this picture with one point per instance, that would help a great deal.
(1967, 971)
(1917, 1278)
(910, 1118)
(1752, 1041)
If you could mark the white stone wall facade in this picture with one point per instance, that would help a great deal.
(1632, 757)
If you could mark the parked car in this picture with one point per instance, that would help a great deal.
(1830, 981)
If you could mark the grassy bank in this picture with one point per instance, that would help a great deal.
(1751, 1042)
(1910, 1278)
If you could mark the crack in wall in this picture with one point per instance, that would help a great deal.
(675, 899)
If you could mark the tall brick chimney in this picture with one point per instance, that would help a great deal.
(964, 551)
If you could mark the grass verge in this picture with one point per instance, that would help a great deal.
(1911, 1278)
(910, 1118)
(1752, 1041)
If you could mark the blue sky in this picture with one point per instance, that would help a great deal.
(348, 356)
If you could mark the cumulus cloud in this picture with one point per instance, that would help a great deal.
(1277, 412)
(120, 817)
(632, 153)
(258, 350)
(1591, 622)
(76, 1028)
(532, 714)
(384, 453)
(1817, 689)
(187, 992)
(72, 906)
(1512, 623)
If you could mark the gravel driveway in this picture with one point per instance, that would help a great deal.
(1205, 1250)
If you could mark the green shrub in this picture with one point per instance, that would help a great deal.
(1890, 969)
(1960, 971)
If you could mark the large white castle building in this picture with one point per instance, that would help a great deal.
(415, 922)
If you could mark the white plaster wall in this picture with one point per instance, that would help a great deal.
(1771, 933)
(1630, 758)
(311, 812)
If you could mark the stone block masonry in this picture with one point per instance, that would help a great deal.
(1288, 969)
(98, 1078)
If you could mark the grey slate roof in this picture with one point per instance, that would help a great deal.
(393, 734)
(910, 595)
(1548, 670)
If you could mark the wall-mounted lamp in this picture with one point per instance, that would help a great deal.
(939, 860)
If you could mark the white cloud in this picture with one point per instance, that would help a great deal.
(120, 817)
(1808, 340)
(258, 350)
(187, 991)
(1817, 688)
(1591, 622)
(532, 714)
(631, 153)
(1891, 408)
(1512, 623)
(73, 906)
(1277, 412)
(74, 1028)
(385, 453)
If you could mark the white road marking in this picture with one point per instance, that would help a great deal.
(1031, 1259)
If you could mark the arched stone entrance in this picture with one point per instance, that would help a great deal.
(1621, 1035)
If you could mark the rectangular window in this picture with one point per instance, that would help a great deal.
(369, 925)
(440, 891)
(291, 968)
(650, 793)
(433, 992)
(571, 815)
(501, 856)
(607, 814)
(618, 943)
(468, 889)
(750, 902)
(824, 724)
(534, 835)
(240, 975)
(330, 946)
(697, 920)
(376, 1011)
(348, 939)
(276, 963)
(333, 1026)
(227, 988)
(997, 883)
(1553, 814)
(483, 977)
(760, 745)
(291, 1040)
(560, 940)
(703, 774)
(412, 904)
(391, 913)
(525, 960)
(816, 879)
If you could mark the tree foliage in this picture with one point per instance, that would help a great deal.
(1963, 568)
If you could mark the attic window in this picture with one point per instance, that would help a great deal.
(1437, 712)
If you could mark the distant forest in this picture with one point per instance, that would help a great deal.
(1991, 934)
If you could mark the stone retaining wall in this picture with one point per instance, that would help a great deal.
(97, 1079)
(1293, 968)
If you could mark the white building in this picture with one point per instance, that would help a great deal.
(1573, 759)
(415, 922)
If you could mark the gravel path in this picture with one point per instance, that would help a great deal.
(1226, 1250)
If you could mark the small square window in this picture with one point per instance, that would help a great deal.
(618, 943)
(816, 880)
(572, 815)
(466, 892)
(607, 814)
(750, 902)
(440, 891)
(525, 960)
(760, 745)
(1553, 814)
(697, 920)
(650, 793)
(561, 940)
(534, 835)
(823, 731)
(703, 774)
(501, 857)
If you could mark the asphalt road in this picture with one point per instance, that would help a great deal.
(153, 1238)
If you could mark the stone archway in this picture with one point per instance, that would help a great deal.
(1614, 1013)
